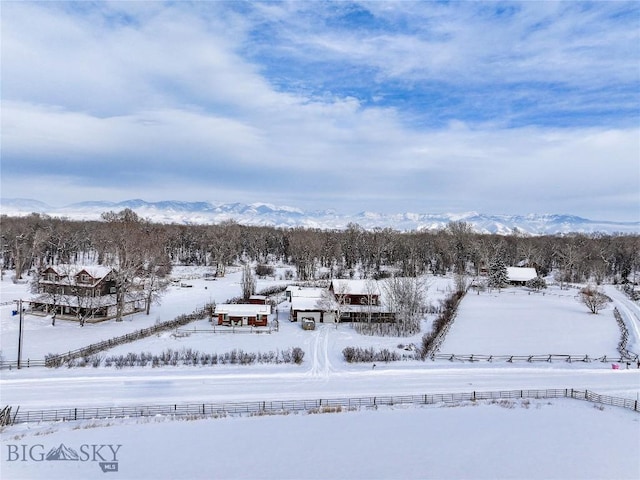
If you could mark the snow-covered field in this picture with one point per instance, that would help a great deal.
(555, 439)
(516, 321)
(562, 439)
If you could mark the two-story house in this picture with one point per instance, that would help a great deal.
(80, 292)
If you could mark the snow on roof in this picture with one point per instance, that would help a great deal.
(244, 309)
(96, 271)
(305, 303)
(306, 292)
(521, 274)
(356, 287)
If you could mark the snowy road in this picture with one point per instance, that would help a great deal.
(79, 387)
(630, 312)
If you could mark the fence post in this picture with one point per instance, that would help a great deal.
(75, 413)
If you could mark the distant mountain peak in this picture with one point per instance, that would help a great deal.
(267, 214)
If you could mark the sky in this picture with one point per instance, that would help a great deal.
(427, 107)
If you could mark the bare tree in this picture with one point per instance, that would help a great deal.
(461, 282)
(593, 298)
(248, 282)
(305, 249)
(155, 283)
(369, 300)
(334, 299)
(224, 244)
(130, 242)
(405, 297)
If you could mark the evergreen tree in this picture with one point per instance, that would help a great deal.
(498, 277)
(537, 283)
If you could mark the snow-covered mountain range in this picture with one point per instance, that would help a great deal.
(281, 216)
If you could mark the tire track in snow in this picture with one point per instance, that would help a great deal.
(321, 365)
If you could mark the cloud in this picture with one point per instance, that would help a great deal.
(500, 107)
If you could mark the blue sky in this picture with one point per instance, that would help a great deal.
(497, 107)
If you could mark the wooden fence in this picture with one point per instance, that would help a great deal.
(28, 363)
(311, 406)
(631, 358)
(60, 359)
(624, 337)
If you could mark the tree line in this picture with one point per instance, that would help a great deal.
(137, 247)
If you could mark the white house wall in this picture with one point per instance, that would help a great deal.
(329, 317)
(315, 315)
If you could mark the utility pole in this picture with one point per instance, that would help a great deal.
(19, 302)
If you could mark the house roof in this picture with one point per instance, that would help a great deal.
(355, 287)
(521, 274)
(306, 292)
(69, 272)
(305, 304)
(243, 309)
(96, 271)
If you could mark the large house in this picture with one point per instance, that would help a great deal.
(87, 293)
(360, 300)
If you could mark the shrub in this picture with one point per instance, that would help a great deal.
(264, 271)
(297, 354)
(364, 355)
(537, 283)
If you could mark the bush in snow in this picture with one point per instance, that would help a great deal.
(537, 283)
(360, 355)
(297, 354)
(263, 271)
(188, 356)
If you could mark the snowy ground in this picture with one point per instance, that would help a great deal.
(516, 321)
(563, 440)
